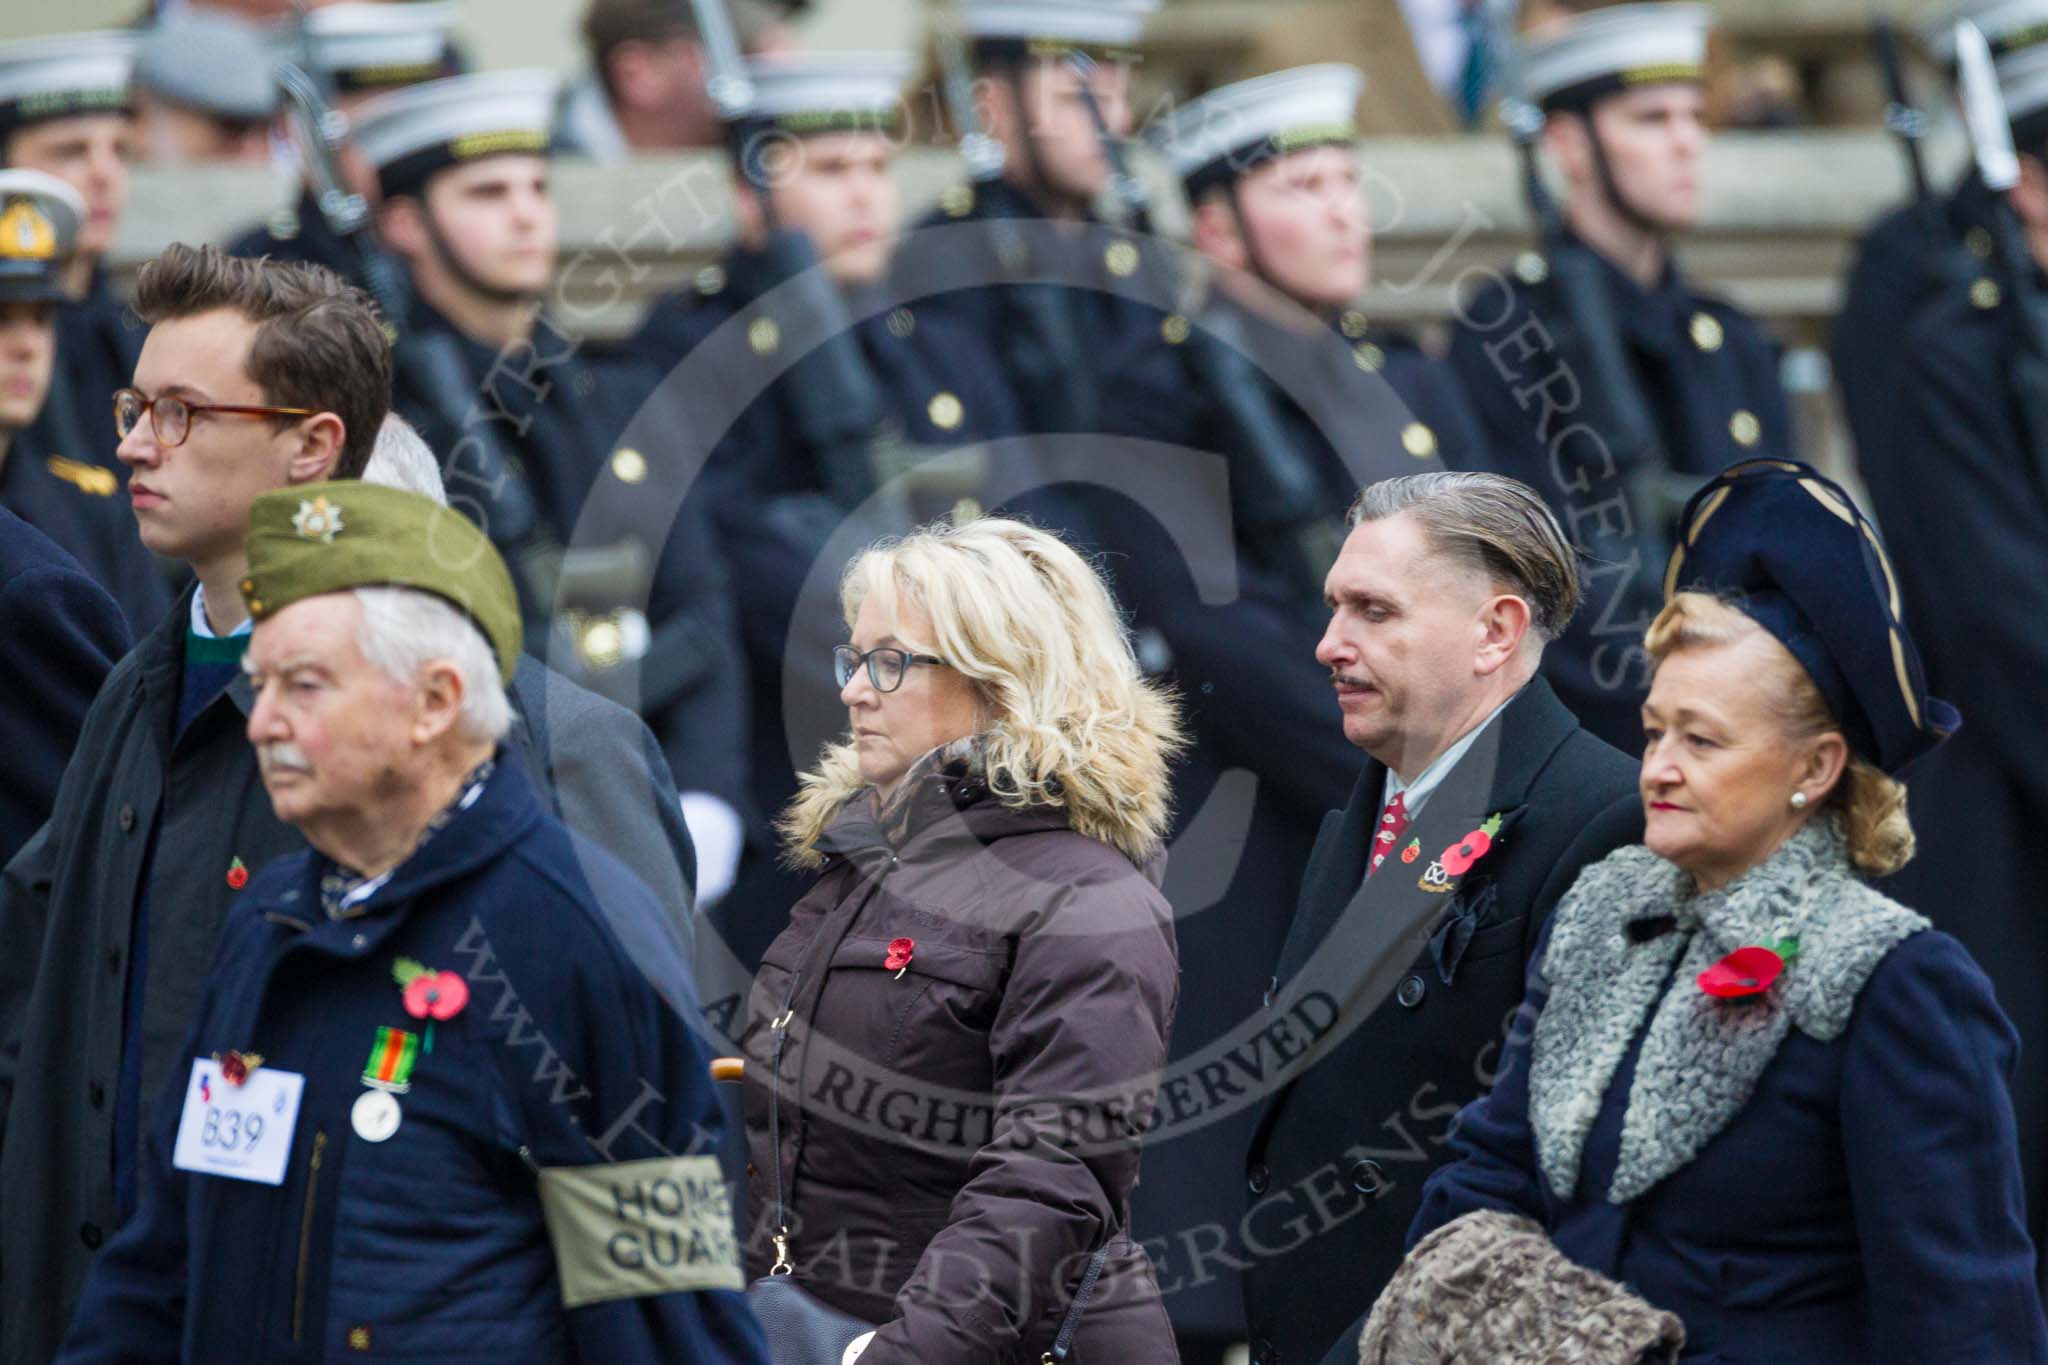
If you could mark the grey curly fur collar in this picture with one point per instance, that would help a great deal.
(1701, 1057)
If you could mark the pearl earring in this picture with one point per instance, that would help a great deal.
(1798, 800)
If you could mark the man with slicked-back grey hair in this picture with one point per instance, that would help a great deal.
(1480, 799)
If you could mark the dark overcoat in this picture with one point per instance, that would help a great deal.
(1349, 1131)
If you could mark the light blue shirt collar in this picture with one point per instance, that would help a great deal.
(204, 629)
(1432, 777)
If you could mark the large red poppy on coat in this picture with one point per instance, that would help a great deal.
(1744, 972)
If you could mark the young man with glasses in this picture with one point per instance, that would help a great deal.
(67, 497)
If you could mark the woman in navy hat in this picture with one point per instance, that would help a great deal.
(1768, 1099)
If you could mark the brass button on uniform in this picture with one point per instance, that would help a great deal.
(629, 465)
(1175, 329)
(711, 280)
(602, 646)
(1745, 428)
(1985, 294)
(1531, 268)
(958, 202)
(946, 411)
(1368, 357)
(764, 336)
(1977, 241)
(1418, 440)
(1122, 259)
(1353, 324)
(902, 323)
(1706, 332)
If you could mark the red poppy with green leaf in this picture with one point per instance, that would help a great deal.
(1749, 971)
(430, 994)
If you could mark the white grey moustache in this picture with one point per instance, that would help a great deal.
(284, 757)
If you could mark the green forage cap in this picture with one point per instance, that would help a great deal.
(330, 537)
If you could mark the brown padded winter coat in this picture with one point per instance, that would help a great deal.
(958, 1133)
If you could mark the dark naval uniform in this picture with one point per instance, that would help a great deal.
(1899, 265)
(98, 341)
(1710, 377)
(300, 234)
(80, 505)
(65, 633)
(539, 1184)
(1963, 499)
(558, 408)
(1051, 339)
(778, 503)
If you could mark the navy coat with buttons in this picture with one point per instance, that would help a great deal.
(1337, 1162)
(432, 1243)
(1964, 504)
(98, 341)
(63, 634)
(777, 509)
(1863, 1206)
(557, 408)
(81, 507)
(1710, 377)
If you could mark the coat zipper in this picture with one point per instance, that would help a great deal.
(306, 1235)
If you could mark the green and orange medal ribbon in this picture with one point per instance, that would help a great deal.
(391, 1060)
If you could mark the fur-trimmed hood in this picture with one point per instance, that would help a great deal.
(1131, 824)
(1631, 924)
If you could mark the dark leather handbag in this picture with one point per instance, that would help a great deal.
(801, 1330)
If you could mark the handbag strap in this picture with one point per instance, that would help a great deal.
(784, 1192)
(1063, 1344)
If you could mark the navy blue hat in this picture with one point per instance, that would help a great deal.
(1789, 548)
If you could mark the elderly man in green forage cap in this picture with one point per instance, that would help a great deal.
(529, 1148)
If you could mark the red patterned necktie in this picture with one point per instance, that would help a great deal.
(1393, 824)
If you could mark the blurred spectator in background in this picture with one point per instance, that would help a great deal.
(64, 110)
(644, 93)
(205, 91)
(462, 168)
(355, 51)
(71, 500)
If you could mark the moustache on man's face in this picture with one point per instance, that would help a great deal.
(281, 757)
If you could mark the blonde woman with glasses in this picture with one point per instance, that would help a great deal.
(970, 1008)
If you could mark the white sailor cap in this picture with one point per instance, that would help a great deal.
(65, 76)
(827, 92)
(1042, 27)
(1605, 51)
(2023, 81)
(1215, 139)
(214, 63)
(2007, 26)
(365, 47)
(410, 134)
(39, 220)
